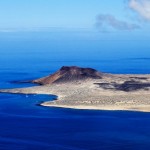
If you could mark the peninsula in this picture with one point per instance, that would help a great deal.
(87, 88)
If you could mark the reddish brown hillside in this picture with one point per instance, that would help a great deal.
(68, 74)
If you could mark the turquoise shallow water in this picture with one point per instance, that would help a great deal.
(26, 126)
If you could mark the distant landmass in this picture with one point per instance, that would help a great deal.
(87, 88)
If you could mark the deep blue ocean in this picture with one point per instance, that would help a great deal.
(26, 126)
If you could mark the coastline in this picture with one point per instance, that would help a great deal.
(143, 108)
(89, 95)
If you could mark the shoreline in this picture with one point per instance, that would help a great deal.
(101, 108)
(53, 102)
(96, 94)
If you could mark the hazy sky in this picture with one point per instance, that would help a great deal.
(107, 27)
(132, 15)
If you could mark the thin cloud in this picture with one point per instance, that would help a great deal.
(108, 20)
(141, 7)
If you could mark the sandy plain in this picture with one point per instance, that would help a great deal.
(112, 92)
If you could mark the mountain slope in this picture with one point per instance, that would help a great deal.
(69, 74)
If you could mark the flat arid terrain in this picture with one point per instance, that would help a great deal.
(86, 88)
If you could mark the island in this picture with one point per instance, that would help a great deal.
(87, 88)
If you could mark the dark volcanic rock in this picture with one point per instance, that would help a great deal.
(127, 86)
(68, 74)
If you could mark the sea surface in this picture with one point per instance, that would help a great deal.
(24, 125)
